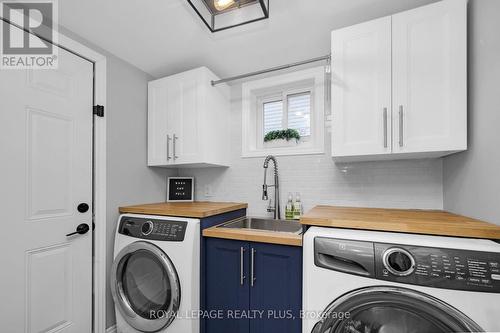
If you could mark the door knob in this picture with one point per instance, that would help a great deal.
(81, 229)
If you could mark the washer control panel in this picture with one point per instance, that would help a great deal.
(438, 267)
(411, 264)
(153, 229)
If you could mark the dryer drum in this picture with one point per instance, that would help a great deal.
(145, 286)
(390, 309)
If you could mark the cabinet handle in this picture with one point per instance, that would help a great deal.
(252, 268)
(385, 127)
(174, 141)
(242, 276)
(168, 147)
(401, 125)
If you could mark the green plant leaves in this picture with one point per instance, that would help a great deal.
(286, 134)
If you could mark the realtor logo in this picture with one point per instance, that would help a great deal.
(28, 34)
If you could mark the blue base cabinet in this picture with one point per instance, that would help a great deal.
(253, 287)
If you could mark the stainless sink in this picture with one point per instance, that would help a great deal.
(254, 223)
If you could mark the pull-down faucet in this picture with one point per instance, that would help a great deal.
(276, 209)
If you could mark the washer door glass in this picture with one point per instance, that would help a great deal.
(145, 287)
(146, 284)
(392, 310)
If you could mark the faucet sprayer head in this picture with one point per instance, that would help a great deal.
(264, 192)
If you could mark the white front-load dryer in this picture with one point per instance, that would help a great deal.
(382, 282)
(155, 276)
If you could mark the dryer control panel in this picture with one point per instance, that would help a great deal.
(153, 229)
(411, 264)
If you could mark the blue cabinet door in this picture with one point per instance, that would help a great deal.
(276, 291)
(226, 290)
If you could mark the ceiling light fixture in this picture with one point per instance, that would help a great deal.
(224, 14)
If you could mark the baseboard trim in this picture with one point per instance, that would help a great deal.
(111, 329)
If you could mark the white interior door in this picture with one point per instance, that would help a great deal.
(361, 89)
(46, 172)
(430, 78)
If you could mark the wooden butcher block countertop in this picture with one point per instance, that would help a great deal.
(429, 222)
(197, 209)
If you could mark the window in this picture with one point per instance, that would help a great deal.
(295, 101)
(273, 116)
(297, 115)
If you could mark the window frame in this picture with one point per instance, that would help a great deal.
(279, 88)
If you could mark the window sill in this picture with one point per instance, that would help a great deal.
(282, 152)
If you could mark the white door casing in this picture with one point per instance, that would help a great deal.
(361, 89)
(46, 171)
(430, 78)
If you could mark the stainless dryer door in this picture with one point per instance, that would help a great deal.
(392, 310)
(145, 287)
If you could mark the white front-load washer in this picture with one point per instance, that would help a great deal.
(381, 282)
(155, 276)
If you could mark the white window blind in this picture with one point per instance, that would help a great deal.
(299, 113)
(273, 116)
(296, 116)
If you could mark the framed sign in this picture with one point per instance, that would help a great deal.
(180, 189)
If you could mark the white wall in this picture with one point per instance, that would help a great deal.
(472, 178)
(129, 180)
(401, 184)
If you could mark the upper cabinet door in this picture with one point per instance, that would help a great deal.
(430, 78)
(184, 99)
(158, 136)
(361, 89)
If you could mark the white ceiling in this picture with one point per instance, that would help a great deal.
(163, 37)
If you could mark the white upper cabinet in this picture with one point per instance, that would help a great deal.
(188, 120)
(361, 89)
(430, 78)
(425, 91)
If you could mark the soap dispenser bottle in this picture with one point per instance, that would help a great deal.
(289, 207)
(297, 207)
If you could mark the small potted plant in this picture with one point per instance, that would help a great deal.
(282, 138)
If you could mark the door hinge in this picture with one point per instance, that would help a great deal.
(99, 110)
